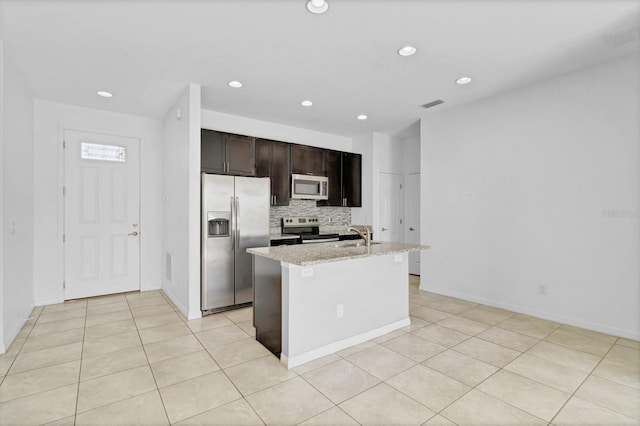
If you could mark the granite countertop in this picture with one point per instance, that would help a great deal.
(313, 254)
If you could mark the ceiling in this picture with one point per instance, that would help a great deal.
(146, 51)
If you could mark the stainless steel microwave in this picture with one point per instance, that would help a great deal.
(308, 187)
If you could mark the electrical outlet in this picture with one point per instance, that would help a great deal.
(398, 258)
(307, 272)
(340, 311)
(542, 289)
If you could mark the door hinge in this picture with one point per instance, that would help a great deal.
(64, 144)
(64, 238)
(64, 285)
(400, 186)
(400, 221)
(64, 190)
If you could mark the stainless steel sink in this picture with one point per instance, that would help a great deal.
(356, 244)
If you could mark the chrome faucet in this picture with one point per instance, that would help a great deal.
(366, 237)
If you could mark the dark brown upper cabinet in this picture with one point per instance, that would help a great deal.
(352, 179)
(333, 170)
(226, 153)
(272, 160)
(344, 171)
(213, 157)
(307, 160)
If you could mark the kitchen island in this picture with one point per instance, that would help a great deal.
(311, 300)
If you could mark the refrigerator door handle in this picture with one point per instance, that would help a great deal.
(237, 223)
(232, 230)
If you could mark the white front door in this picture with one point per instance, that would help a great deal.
(390, 208)
(412, 220)
(101, 214)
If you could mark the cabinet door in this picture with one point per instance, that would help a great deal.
(307, 160)
(272, 160)
(263, 158)
(280, 182)
(352, 179)
(212, 151)
(241, 155)
(333, 170)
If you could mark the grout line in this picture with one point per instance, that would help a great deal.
(582, 383)
(148, 363)
(84, 331)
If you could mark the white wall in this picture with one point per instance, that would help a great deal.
(50, 121)
(411, 153)
(246, 126)
(518, 190)
(16, 116)
(182, 202)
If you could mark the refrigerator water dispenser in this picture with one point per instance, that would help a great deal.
(218, 224)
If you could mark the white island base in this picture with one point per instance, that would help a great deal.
(327, 307)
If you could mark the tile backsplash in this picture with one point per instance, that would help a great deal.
(329, 216)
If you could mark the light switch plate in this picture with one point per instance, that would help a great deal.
(398, 258)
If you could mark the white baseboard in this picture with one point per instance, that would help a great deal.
(539, 314)
(342, 344)
(11, 334)
(175, 301)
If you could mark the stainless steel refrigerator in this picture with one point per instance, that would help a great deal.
(235, 216)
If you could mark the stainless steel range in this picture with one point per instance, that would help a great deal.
(308, 229)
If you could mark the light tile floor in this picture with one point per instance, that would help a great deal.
(132, 359)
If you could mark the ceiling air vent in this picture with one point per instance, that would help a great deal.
(433, 103)
(620, 38)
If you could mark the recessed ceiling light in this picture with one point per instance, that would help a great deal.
(317, 6)
(463, 80)
(306, 103)
(235, 84)
(407, 51)
(362, 117)
(104, 94)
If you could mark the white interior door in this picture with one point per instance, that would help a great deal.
(412, 219)
(390, 208)
(101, 211)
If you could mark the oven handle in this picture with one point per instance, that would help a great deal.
(324, 240)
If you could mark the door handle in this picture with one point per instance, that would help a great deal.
(233, 223)
(411, 229)
(237, 223)
(383, 229)
(134, 234)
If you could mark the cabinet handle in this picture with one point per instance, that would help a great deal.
(383, 229)
(275, 200)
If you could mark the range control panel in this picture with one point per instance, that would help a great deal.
(300, 221)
